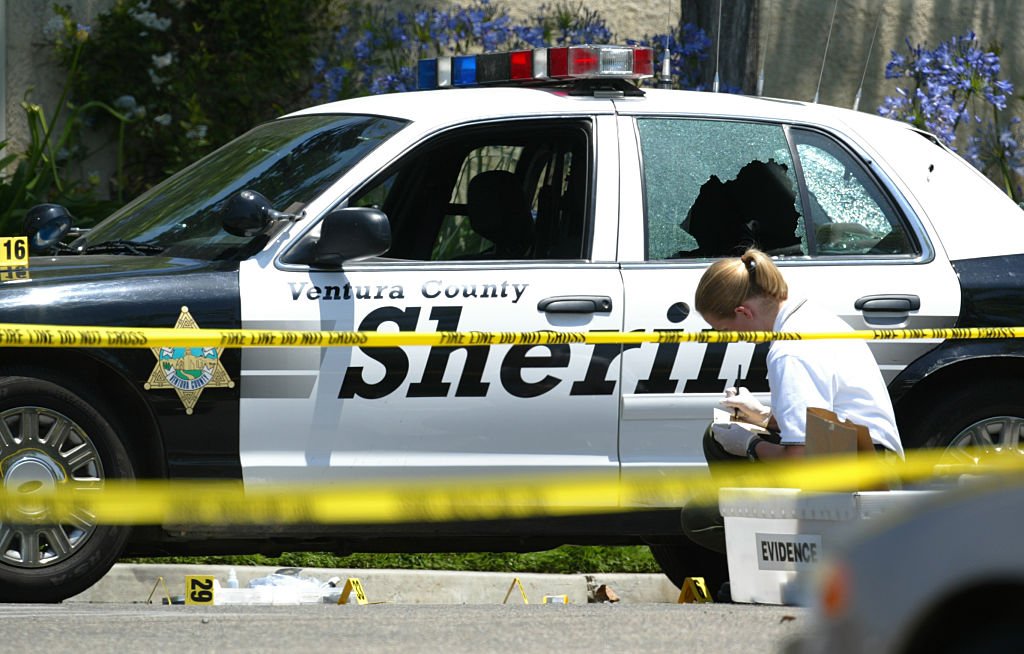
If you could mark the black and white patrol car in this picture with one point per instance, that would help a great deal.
(570, 202)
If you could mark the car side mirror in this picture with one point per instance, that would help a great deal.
(45, 225)
(351, 234)
(249, 213)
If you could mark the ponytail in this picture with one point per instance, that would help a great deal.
(728, 283)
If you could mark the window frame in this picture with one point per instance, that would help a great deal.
(481, 133)
(907, 216)
(703, 118)
(865, 167)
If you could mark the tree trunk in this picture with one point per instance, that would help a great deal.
(737, 49)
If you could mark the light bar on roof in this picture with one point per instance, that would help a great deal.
(521, 66)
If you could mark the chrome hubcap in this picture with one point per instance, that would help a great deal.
(41, 449)
(995, 435)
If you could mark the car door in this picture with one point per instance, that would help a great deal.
(707, 188)
(493, 229)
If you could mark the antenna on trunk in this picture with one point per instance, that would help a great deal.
(860, 89)
(665, 79)
(718, 45)
(824, 57)
(764, 47)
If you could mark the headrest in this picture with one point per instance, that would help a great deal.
(498, 211)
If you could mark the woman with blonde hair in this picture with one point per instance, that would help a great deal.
(749, 293)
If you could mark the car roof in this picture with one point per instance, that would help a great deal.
(449, 106)
(458, 105)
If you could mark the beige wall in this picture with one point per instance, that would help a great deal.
(30, 62)
(797, 30)
(793, 42)
(626, 18)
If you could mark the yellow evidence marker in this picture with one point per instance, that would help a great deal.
(14, 251)
(13, 258)
(353, 584)
(694, 591)
(522, 591)
(199, 589)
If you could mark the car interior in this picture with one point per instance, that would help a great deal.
(493, 193)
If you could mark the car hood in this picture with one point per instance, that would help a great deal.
(94, 267)
(115, 289)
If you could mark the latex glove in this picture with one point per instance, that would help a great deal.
(748, 408)
(734, 439)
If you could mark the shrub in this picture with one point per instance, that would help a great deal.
(196, 73)
(568, 559)
(948, 89)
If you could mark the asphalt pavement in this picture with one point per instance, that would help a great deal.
(622, 628)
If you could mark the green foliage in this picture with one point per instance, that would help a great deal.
(570, 22)
(195, 73)
(568, 559)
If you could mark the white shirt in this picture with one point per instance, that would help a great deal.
(838, 375)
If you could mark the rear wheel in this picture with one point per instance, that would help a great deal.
(987, 415)
(50, 437)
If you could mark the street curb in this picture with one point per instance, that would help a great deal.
(135, 583)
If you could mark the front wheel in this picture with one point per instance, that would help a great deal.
(51, 437)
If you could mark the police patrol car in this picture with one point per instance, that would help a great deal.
(554, 195)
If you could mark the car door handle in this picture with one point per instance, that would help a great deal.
(892, 303)
(576, 304)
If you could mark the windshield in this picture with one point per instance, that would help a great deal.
(290, 161)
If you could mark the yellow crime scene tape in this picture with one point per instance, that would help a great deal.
(19, 335)
(227, 502)
(126, 502)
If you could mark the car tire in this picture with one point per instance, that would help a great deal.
(686, 559)
(986, 414)
(50, 435)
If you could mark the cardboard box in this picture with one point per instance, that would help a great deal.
(828, 434)
(772, 535)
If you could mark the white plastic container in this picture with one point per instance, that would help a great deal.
(774, 534)
(273, 595)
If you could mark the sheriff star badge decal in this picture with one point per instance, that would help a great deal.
(188, 370)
